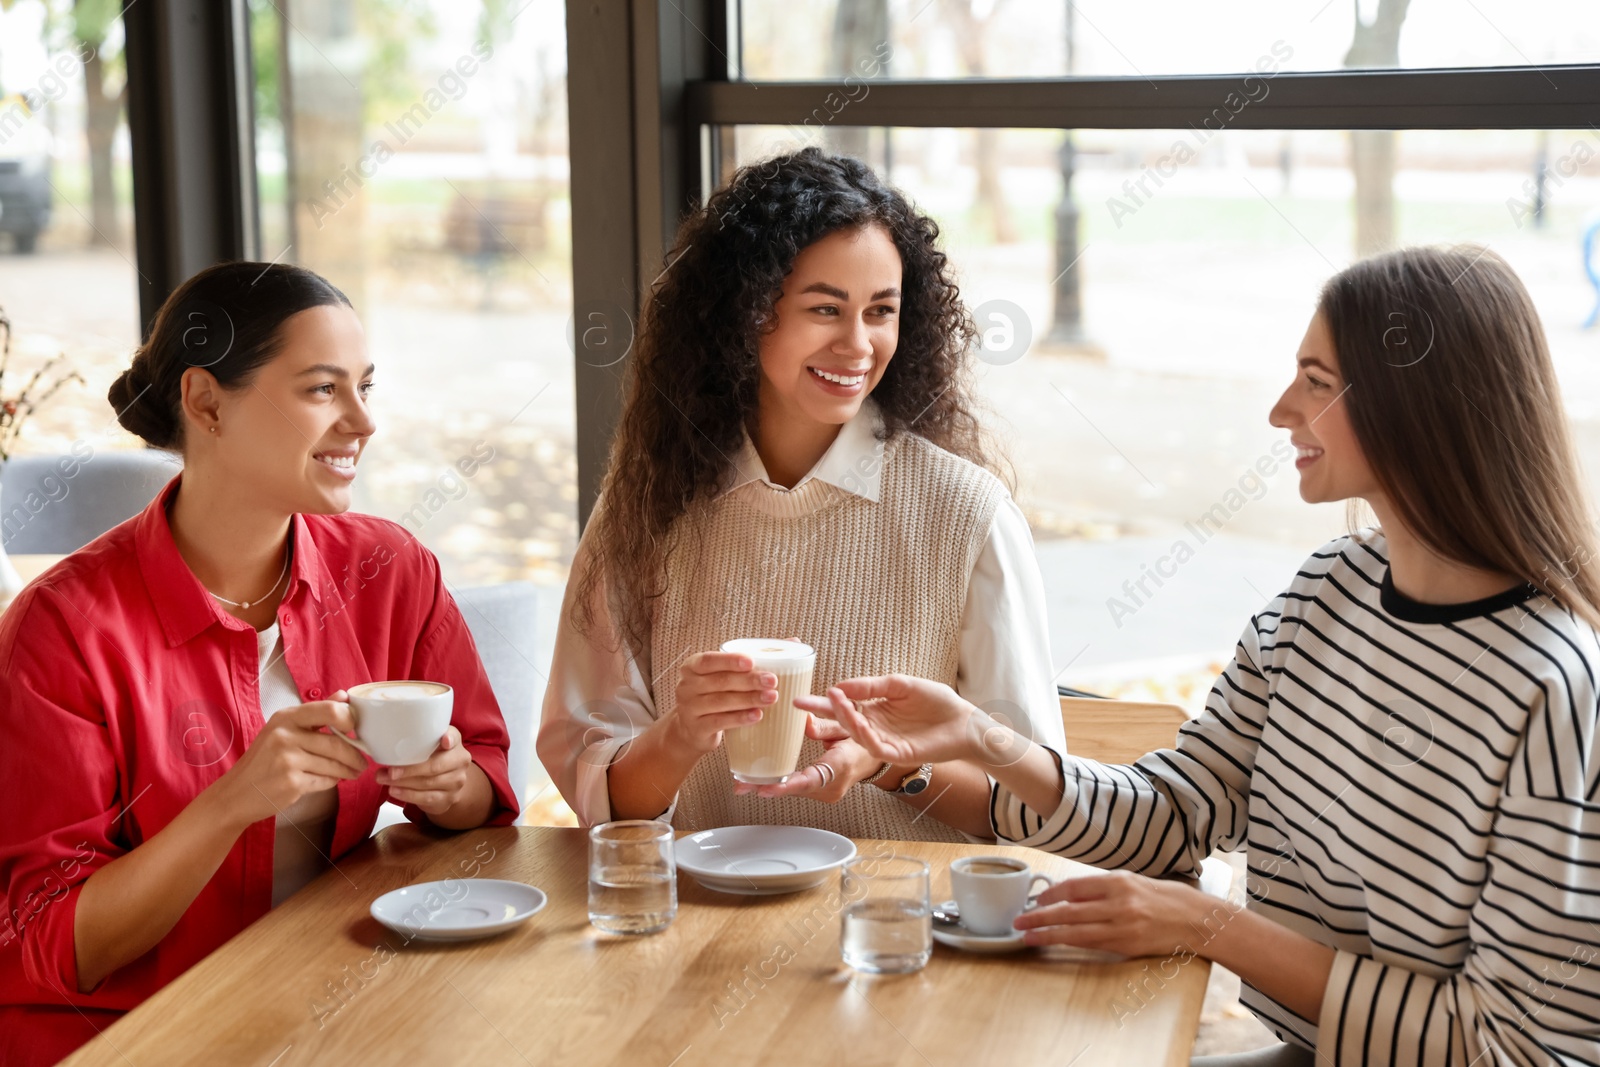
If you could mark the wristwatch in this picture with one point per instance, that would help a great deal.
(916, 781)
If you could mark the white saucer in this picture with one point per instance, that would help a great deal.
(975, 943)
(969, 942)
(762, 860)
(458, 909)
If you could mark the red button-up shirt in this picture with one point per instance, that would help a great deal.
(125, 690)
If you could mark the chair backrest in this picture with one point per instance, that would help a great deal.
(1118, 731)
(503, 619)
(52, 505)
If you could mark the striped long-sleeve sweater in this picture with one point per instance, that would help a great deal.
(1416, 786)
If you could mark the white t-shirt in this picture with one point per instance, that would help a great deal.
(300, 850)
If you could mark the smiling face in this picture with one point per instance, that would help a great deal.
(838, 323)
(1315, 411)
(296, 432)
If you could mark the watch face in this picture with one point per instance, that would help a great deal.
(915, 786)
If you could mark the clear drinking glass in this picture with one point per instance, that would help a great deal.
(888, 918)
(633, 877)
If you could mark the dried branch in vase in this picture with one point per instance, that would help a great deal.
(46, 382)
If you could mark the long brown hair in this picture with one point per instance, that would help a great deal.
(693, 381)
(1454, 402)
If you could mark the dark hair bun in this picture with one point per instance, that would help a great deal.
(140, 410)
(226, 320)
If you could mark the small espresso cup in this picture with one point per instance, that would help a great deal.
(400, 723)
(991, 892)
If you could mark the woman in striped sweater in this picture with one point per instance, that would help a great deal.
(1405, 742)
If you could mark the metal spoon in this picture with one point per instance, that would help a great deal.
(949, 914)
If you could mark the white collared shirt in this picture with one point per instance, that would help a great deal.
(854, 462)
(1003, 659)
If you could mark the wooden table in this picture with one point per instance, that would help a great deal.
(318, 981)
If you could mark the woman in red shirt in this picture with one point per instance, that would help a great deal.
(168, 690)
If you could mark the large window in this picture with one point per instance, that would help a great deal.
(67, 277)
(414, 153)
(1153, 283)
(1161, 503)
(803, 39)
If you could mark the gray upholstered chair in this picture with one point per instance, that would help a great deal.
(53, 505)
(503, 619)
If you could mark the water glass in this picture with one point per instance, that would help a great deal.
(888, 917)
(633, 877)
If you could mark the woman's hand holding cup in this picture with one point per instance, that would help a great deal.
(436, 784)
(842, 764)
(1127, 913)
(292, 755)
(718, 691)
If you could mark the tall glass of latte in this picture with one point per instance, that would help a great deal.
(766, 752)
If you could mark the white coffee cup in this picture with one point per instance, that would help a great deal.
(400, 723)
(991, 892)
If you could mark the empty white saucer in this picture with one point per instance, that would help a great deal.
(762, 860)
(457, 909)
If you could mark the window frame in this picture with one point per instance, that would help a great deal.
(681, 95)
(650, 98)
(191, 122)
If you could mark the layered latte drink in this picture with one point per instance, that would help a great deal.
(765, 753)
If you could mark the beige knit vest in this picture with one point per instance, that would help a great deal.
(875, 588)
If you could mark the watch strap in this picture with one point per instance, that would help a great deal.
(879, 774)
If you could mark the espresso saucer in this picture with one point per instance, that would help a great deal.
(959, 937)
(458, 909)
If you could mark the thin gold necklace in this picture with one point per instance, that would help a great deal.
(245, 606)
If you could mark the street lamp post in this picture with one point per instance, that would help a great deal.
(1067, 326)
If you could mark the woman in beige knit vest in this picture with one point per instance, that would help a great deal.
(798, 456)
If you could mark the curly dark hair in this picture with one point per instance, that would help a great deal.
(691, 392)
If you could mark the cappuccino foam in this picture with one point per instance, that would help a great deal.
(402, 690)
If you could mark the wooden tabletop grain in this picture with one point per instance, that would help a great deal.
(734, 980)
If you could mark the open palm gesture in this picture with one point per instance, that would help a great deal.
(902, 719)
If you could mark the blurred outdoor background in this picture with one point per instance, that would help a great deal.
(415, 152)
